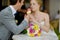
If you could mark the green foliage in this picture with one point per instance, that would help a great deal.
(24, 31)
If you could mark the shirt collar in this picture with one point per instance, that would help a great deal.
(13, 10)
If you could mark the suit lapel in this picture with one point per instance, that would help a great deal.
(10, 12)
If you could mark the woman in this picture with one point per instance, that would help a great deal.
(42, 19)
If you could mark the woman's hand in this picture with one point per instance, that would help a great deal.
(32, 19)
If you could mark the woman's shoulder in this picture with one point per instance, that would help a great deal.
(45, 14)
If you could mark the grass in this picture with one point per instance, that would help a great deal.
(57, 32)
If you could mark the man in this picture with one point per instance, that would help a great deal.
(7, 21)
(20, 14)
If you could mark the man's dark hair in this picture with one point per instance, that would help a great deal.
(13, 2)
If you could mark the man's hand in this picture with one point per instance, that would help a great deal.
(26, 17)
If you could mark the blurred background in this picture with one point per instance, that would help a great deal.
(52, 7)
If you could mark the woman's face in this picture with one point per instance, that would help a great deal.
(34, 5)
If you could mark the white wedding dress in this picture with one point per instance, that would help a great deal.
(47, 36)
(44, 36)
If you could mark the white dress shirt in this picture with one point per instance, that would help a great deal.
(13, 10)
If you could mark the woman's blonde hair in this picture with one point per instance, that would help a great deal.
(39, 2)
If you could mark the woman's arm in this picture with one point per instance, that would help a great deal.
(46, 27)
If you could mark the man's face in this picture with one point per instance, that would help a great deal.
(20, 4)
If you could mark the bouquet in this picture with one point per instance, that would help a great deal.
(33, 30)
